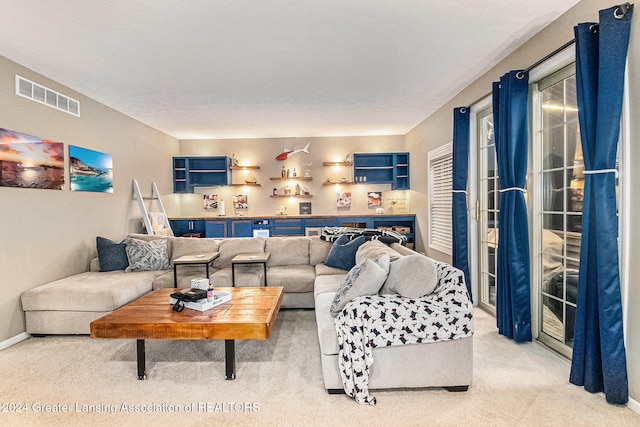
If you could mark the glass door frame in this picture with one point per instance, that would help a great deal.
(478, 110)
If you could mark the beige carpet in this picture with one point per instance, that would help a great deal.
(279, 383)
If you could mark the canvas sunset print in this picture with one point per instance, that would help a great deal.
(90, 170)
(27, 161)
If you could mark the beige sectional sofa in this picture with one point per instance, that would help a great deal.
(67, 306)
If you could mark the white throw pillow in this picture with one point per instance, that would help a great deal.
(411, 276)
(374, 249)
(363, 279)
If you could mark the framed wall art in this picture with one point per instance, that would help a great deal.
(90, 170)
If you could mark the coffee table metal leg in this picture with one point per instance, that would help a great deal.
(230, 359)
(142, 372)
(264, 264)
(175, 276)
(233, 275)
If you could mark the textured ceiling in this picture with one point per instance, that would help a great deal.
(276, 68)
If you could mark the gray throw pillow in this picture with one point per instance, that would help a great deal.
(147, 256)
(373, 249)
(363, 279)
(411, 276)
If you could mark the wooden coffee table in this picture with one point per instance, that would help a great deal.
(250, 315)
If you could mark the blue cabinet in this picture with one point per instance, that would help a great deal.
(216, 228)
(190, 172)
(187, 226)
(289, 226)
(382, 168)
(241, 228)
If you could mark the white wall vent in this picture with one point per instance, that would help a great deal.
(43, 95)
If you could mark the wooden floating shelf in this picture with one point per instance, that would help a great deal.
(249, 184)
(337, 182)
(304, 196)
(337, 163)
(291, 178)
(243, 167)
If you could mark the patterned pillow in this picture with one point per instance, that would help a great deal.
(343, 252)
(147, 255)
(363, 279)
(112, 256)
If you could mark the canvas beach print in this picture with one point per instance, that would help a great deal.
(27, 161)
(90, 170)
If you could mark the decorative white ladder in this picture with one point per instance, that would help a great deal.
(155, 195)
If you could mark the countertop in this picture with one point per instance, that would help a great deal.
(349, 215)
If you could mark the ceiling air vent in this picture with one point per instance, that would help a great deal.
(43, 95)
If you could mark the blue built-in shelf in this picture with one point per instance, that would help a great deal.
(190, 172)
(382, 168)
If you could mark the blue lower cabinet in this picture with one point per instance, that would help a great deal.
(179, 227)
(241, 228)
(286, 227)
(187, 226)
(216, 228)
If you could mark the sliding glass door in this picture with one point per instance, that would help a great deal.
(487, 210)
(559, 213)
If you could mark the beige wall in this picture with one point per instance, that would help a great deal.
(436, 130)
(49, 234)
(262, 152)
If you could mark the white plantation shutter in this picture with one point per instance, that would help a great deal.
(440, 182)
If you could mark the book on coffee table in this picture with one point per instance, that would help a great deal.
(204, 304)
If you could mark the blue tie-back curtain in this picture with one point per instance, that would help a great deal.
(460, 257)
(599, 359)
(510, 115)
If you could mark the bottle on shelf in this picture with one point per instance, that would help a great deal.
(284, 171)
(297, 189)
(288, 173)
(294, 172)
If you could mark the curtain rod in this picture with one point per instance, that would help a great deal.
(532, 66)
(619, 13)
(549, 56)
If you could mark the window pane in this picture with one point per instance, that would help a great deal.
(553, 142)
(552, 315)
(571, 99)
(491, 161)
(553, 191)
(553, 222)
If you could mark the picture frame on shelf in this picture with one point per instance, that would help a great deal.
(304, 208)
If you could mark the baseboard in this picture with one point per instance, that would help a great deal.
(634, 405)
(15, 340)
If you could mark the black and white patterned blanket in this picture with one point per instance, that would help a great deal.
(331, 234)
(384, 320)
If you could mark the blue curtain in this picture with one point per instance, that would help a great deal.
(461, 118)
(599, 359)
(510, 115)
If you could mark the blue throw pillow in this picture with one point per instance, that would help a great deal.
(112, 255)
(343, 252)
